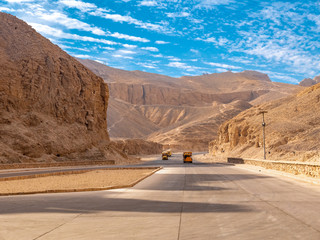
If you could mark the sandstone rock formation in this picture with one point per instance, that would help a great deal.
(52, 108)
(181, 113)
(292, 130)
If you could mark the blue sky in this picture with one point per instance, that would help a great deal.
(191, 37)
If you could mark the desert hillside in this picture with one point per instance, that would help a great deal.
(292, 130)
(181, 113)
(52, 108)
(307, 82)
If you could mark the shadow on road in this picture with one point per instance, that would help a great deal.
(195, 182)
(99, 203)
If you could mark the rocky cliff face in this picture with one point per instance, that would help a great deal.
(292, 130)
(138, 147)
(151, 95)
(52, 108)
(181, 113)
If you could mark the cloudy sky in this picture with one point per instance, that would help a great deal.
(176, 37)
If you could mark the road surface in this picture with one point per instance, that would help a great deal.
(181, 201)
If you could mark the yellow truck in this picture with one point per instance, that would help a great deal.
(187, 157)
(169, 152)
(164, 156)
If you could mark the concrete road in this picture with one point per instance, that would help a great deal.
(182, 201)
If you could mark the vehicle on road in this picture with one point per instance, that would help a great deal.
(169, 152)
(164, 156)
(187, 157)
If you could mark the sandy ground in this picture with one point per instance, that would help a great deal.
(91, 180)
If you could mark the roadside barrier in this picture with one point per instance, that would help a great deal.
(297, 168)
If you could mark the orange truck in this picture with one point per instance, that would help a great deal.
(187, 157)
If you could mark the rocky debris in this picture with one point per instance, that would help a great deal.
(292, 130)
(52, 108)
(138, 147)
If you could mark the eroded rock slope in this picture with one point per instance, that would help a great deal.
(52, 108)
(292, 130)
(181, 113)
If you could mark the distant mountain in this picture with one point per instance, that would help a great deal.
(292, 130)
(52, 108)
(307, 82)
(183, 113)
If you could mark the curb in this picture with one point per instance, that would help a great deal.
(79, 189)
(55, 164)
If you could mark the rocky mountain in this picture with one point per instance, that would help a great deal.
(52, 108)
(181, 113)
(307, 82)
(292, 130)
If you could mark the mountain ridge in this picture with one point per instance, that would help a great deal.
(177, 108)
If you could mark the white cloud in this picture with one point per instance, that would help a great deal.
(210, 4)
(129, 46)
(183, 66)
(127, 37)
(161, 42)
(122, 56)
(243, 60)
(82, 6)
(147, 65)
(71, 47)
(300, 61)
(221, 41)
(178, 14)
(81, 56)
(279, 76)
(5, 9)
(158, 55)
(178, 65)
(151, 49)
(221, 70)
(316, 20)
(46, 30)
(194, 51)
(148, 3)
(108, 48)
(173, 59)
(18, 1)
(221, 65)
(130, 20)
(122, 51)
(70, 23)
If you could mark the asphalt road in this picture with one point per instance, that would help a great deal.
(181, 201)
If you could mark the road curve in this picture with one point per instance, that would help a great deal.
(181, 201)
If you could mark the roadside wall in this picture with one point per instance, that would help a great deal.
(308, 169)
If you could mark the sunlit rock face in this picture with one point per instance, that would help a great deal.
(181, 113)
(291, 132)
(52, 108)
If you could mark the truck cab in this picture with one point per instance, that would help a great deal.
(187, 157)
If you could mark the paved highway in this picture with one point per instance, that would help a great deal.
(181, 201)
